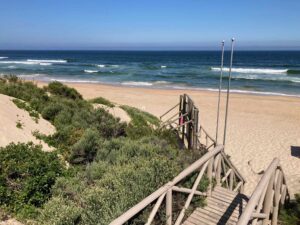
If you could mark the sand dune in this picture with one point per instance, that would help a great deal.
(116, 112)
(10, 115)
(260, 127)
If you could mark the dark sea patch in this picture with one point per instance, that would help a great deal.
(293, 72)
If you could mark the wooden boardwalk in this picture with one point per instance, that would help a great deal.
(223, 207)
(225, 203)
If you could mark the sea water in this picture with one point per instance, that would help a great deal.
(258, 72)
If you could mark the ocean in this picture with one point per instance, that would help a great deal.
(257, 72)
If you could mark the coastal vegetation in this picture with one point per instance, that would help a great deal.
(100, 166)
(290, 215)
(103, 101)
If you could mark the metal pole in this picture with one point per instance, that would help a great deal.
(228, 91)
(220, 88)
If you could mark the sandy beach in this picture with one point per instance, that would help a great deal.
(259, 127)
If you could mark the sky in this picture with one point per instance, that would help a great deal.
(149, 25)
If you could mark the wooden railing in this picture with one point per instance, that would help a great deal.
(204, 139)
(264, 203)
(214, 165)
(184, 118)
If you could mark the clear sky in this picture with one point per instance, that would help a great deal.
(149, 24)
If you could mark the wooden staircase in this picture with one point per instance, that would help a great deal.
(223, 207)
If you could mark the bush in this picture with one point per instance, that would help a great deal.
(51, 110)
(103, 101)
(290, 215)
(142, 123)
(113, 166)
(26, 177)
(86, 148)
(59, 89)
(23, 105)
(60, 211)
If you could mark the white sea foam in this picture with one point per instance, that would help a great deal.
(137, 83)
(252, 70)
(91, 71)
(18, 62)
(268, 78)
(235, 91)
(45, 64)
(75, 81)
(26, 63)
(161, 82)
(3, 57)
(31, 75)
(47, 60)
(163, 66)
(101, 66)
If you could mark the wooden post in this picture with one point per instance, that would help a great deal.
(196, 127)
(183, 111)
(169, 207)
(218, 169)
(209, 175)
(231, 180)
(268, 199)
(277, 198)
(180, 111)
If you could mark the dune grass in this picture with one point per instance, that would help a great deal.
(102, 101)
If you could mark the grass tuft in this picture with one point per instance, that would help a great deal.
(103, 101)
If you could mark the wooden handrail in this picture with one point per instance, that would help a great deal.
(155, 195)
(232, 166)
(265, 197)
(205, 163)
(169, 111)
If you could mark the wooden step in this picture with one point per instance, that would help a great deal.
(234, 213)
(217, 216)
(221, 213)
(223, 207)
(214, 219)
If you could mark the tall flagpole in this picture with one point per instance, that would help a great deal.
(228, 91)
(220, 88)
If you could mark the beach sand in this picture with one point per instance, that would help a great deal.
(10, 114)
(259, 127)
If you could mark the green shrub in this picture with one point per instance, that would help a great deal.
(86, 148)
(103, 101)
(26, 177)
(290, 215)
(51, 110)
(142, 123)
(19, 124)
(23, 105)
(60, 211)
(113, 166)
(59, 89)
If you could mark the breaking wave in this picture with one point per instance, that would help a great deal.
(136, 83)
(91, 71)
(47, 60)
(252, 70)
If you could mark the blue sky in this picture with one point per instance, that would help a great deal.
(151, 24)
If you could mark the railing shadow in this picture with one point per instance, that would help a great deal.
(236, 202)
